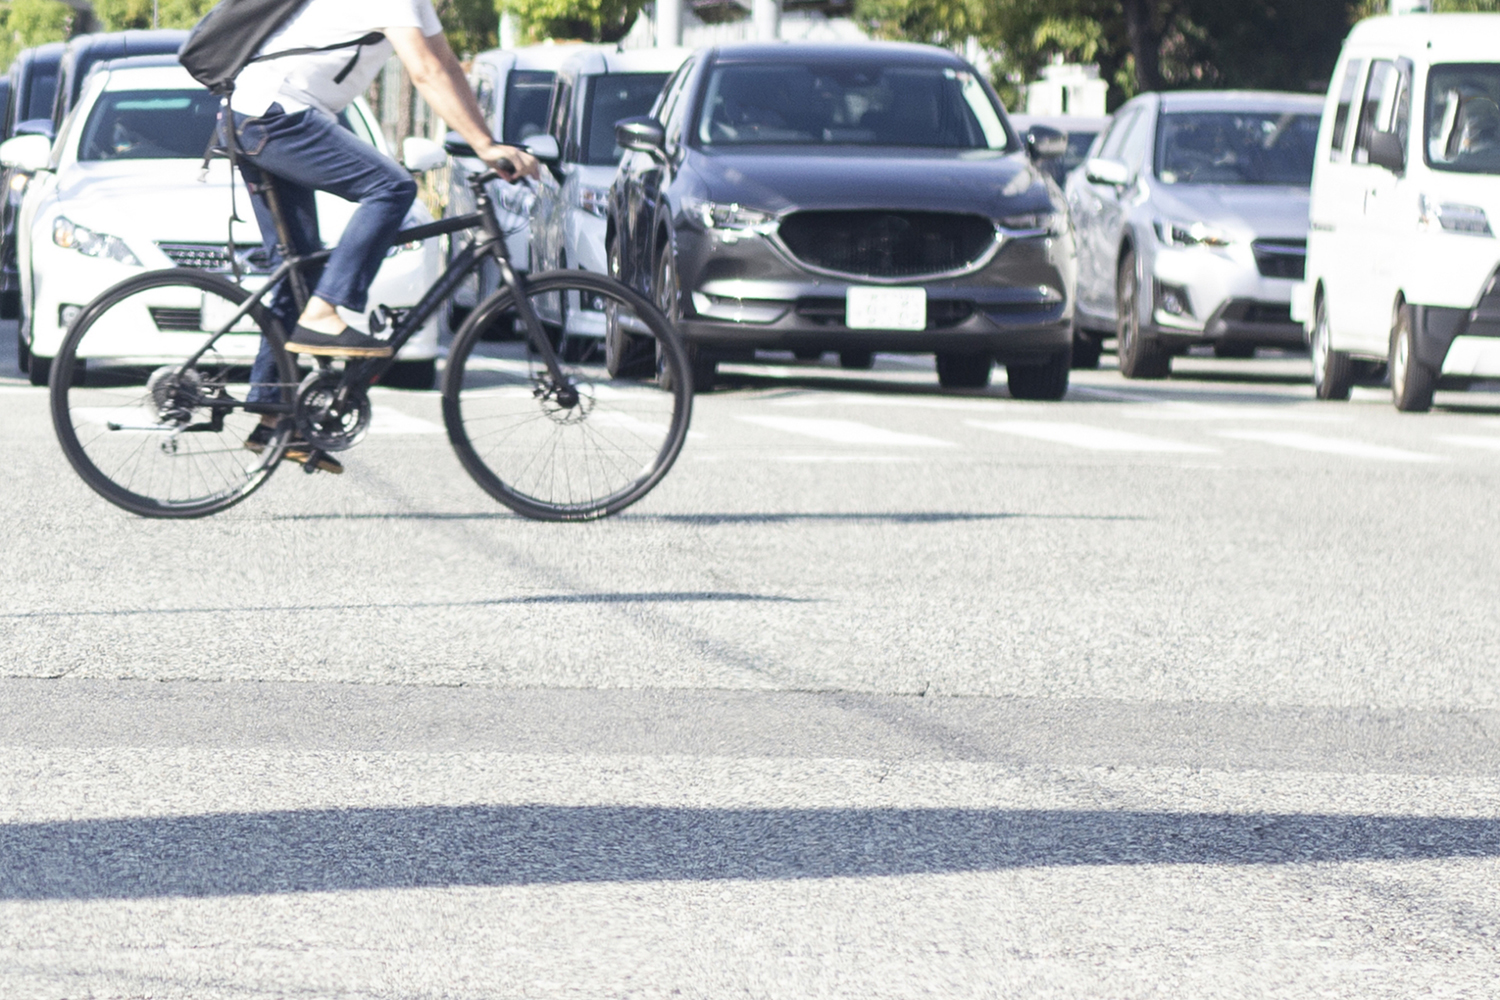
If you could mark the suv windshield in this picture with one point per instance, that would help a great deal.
(527, 94)
(1236, 147)
(150, 125)
(1463, 118)
(610, 98)
(857, 104)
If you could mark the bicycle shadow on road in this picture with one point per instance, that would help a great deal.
(477, 846)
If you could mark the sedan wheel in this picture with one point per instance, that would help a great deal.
(1412, 383)
(1332, 372)
(1139, 358)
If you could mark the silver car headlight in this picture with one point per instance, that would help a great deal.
(1190, 234)
(71, 236)
(593, 200)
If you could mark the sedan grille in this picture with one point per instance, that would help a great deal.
(1281, 258)
(211, 256)
(891, 245)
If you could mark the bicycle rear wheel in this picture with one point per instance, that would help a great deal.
(146, 430)
(533, 449)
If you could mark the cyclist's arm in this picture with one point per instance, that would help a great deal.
(438, 77)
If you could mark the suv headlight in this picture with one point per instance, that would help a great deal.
(593, 200)
(1448, 217)
(1190, 234)
(71, 236)
(732, 218)
(1034, 224)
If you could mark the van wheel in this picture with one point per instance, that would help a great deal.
(1333, 374)
(1412, 383)
(1139, 356)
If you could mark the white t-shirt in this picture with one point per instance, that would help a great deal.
(304, 81)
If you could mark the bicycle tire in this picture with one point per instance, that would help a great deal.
(163, 440)
(552, 462)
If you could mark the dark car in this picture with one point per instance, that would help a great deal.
(87, 51)
(1080, 131)
(844, 197)
(32, 85)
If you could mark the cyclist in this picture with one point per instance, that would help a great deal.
(286, 112)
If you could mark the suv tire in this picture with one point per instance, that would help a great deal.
(1140, 357)
(963, 371)
(1048, 381)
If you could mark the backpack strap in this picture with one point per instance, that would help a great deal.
(373, 38)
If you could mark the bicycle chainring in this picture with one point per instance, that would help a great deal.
(330, 415)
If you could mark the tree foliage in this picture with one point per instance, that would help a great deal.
(583, 20)
(24, 23)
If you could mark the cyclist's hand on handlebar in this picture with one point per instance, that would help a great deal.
(510, 163)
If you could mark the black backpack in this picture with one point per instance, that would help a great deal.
(226, 39)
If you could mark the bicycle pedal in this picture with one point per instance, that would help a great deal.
(311, 465)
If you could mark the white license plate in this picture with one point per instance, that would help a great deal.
(886, 309)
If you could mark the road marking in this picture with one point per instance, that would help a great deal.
(1472, 441)
(1331, 446)
(385, 420)
(842, 459)
(1090, 437)
(1186, 411)
(847, 432)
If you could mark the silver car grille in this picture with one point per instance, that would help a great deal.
(1280, 258)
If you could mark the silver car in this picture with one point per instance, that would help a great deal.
(593, 90)
(1191, 219)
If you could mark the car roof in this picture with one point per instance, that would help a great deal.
(596, 62)
(42, 55)
(134, 62)
(905, 53)
(1063, 123)
(1240, 100)
(146, 73)
(1438, 37)
(549, 56)
(120, 43)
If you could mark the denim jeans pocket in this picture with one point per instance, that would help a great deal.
(256, 132)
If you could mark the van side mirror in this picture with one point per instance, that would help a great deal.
(26, 153)
(1386, 151)
(1045, 143)
(644, 135)
(1111, 172)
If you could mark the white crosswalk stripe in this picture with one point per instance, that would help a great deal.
(1331, 446)
(1090, 437)
(846, 432)
(1471, 441)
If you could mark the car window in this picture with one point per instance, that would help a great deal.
(1347, 90)
(527, 95)
(676, 106)
(860, 104)
(1137, 145)
(1463, 118)
(612, 97)
(1109, 149)
(1236, 147)
(149, 125)
(560, 112)
(1386, 106)
(43, 91)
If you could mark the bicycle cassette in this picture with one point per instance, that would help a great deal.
(331, 415)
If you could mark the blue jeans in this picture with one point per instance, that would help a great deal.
(302, 153)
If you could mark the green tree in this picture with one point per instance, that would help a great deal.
(582, 20)
(24, 23)
(121, 15)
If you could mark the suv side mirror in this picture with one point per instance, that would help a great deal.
(26, 153)
(1045, 143)
(1111, 172)
(644, 135)
(419, 154)
(1386, 151)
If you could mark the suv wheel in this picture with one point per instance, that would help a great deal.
(1086, 348)
(1412, 383)
(963, 371)
(1047, 381)
(1332, 372)
(669, 300)
(1139, 357)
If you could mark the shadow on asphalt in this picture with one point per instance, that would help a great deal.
(791, 517)
(361, 849)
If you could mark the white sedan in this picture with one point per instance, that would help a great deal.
(123, 193)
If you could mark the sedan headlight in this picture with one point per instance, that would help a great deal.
(71, 236)
(1190, 234)
(593, 200)
(1448, 217)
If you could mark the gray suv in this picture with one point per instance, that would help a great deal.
(1191, 220)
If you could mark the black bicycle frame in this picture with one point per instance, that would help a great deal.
(491, 244)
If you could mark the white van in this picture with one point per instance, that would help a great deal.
(1402, 253)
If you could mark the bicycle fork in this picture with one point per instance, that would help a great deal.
(563, 390)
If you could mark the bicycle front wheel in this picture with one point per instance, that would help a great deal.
(575, 452)
(147, 425)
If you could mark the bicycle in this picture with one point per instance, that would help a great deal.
(149, 389)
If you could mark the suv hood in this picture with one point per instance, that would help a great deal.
(987, 182)
(1243, 209)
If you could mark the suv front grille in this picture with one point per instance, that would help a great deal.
(211, 256)
(1280, 258)
(890, 245)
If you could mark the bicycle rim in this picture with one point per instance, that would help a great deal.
(148, 432)
(517, 435)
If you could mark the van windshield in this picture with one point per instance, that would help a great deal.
(1463, 118)
(1236, 147)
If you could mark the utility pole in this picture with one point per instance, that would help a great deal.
(668, 23)
(767, 15)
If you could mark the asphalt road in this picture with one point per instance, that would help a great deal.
(1178, 689)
